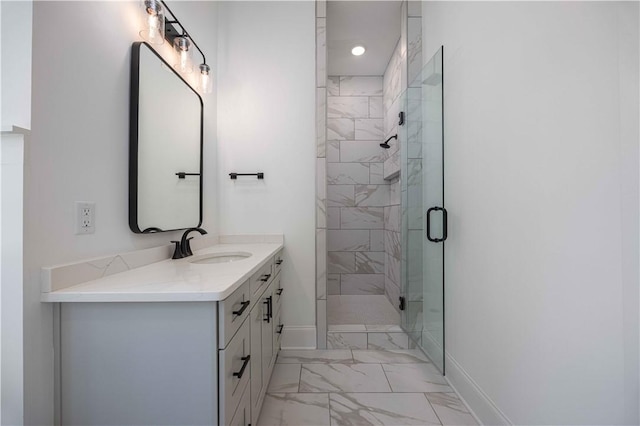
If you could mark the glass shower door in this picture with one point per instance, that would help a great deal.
(425, 218)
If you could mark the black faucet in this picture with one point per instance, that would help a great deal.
(183, 247)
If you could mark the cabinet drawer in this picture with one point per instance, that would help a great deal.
(234, 371)
(242, 416)
(277, 262)
(268, 326)
(278, 326)
(233, 311)
(278, 290)
(260, 280)
(257, 387)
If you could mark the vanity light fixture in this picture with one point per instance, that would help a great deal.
(182, 46)
(206, 85)
(152, 21)
(205, 79)
(358, 50)
(157, 28)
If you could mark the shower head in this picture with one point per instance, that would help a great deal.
(385, 144)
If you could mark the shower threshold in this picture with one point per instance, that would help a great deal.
(361, 310)
(364, 322)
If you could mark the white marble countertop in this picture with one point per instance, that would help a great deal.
(173, 280)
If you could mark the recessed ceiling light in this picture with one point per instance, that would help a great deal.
(358, 50)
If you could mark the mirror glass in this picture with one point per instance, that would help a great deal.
(165, 170)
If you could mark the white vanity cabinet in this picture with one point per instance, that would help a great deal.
(234, 372)
(171, 362)
(264, 347)
(242, 416)
(278, 325)
(137, 364)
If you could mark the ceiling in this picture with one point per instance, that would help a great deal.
(372, 24)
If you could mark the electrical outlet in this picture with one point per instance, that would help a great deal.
(85, 217)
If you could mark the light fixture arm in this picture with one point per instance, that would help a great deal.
(184, 30)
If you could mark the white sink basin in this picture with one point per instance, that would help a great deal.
(220, 257)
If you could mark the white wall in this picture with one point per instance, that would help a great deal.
(541, 185)
(79, 151)
(15, 110)
(15, 89)
(11, 260)
(266, 123)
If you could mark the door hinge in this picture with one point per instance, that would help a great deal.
(402, 303)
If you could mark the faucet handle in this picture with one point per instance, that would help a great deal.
(177, 252)
(186, 249)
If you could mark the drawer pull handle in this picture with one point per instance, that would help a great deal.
(244, 366)
(279, 262)
(269, 307)
(244, 307)
(265, 278)
(280, 329)
(279, 292)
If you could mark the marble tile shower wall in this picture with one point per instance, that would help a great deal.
(414, 209)
(321, 172)
(392, 89)
(357, 194)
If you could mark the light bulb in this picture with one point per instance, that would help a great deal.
(153, 22)
(153, 26)
(183, 60)
(358, 50)
(205, 78)
(182, 46)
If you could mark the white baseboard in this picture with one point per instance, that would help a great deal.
(299, 337)
(480, 405)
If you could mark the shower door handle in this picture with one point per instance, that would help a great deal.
(444, 224)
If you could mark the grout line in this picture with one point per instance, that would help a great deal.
(385, 376)
(431, 405)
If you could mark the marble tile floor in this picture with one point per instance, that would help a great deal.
(359, 387)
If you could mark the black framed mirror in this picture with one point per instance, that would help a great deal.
(165, 147)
